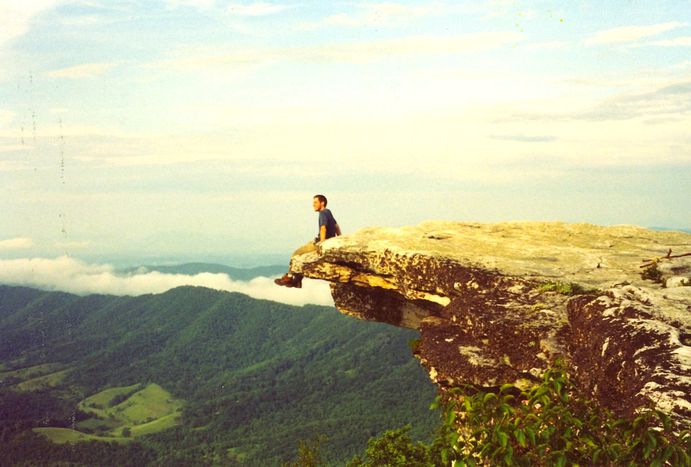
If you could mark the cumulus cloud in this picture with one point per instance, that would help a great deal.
(631, 33)
(75, 276)
(16, 243)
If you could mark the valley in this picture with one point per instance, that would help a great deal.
(198, 376)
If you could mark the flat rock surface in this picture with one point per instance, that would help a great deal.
(497, 303)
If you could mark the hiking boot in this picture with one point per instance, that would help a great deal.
(289, 281)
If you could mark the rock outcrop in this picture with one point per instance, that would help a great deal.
(498, 303)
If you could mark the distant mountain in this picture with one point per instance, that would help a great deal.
(252, 378)
(240, 274)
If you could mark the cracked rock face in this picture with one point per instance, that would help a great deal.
(498, 303)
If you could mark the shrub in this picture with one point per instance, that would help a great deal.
(547, 425)
(117, 399)
(652, 273)
(563, 288)
(544, 425)
(309, 453)
(394, 448)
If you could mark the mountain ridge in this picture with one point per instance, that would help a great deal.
(235, 273)
(248, 368)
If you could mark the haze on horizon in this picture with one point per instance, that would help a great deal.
(202, 128)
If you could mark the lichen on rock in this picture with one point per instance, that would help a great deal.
(498, 303)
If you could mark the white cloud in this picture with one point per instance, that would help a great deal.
(6, 116)
(17, 17)
(12, 166)
(14, 147)
(631, 33)
(551, 45)
(380, 14)
(82, 21)
(413, 45)
(197, 60)
(256, 9)
(200, 4)
(86, 70)
(16, 243)
(672, 100)
(682, 65)
(75, 276)
(76, 130)
(497, 8)
(357, 52)
(73, 244)
(676, 42)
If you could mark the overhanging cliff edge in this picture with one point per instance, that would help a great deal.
(498, 303)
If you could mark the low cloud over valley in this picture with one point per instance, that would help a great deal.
(75, 276)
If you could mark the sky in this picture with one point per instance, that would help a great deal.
(200, 129)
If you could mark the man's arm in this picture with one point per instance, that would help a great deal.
(322, 233)
(338, 230)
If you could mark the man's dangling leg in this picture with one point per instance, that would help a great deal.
(293, 278)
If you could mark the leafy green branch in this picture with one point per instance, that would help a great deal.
(547, 424)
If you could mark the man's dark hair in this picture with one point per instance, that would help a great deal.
(321, 198)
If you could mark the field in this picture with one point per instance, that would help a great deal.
(35, 377)
(30, 372)
(99, 404)
(66, 435)
(46, 381)
(121, 413)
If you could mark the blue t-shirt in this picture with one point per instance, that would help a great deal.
(327, 219)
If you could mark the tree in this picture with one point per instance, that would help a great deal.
(394, 448)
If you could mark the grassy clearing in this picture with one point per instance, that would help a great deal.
(50, 380)
(32, 372)
(160, 424)
(66, 435)
(100, 403)
(152, 402)
(133, 405)
(93, 425)
(122, 413)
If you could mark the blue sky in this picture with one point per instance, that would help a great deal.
(201, 129)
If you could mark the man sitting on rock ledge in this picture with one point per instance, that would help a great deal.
(328, 227)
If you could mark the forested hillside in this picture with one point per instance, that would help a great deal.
(243, 379)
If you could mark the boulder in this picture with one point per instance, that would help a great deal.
(499, 303)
